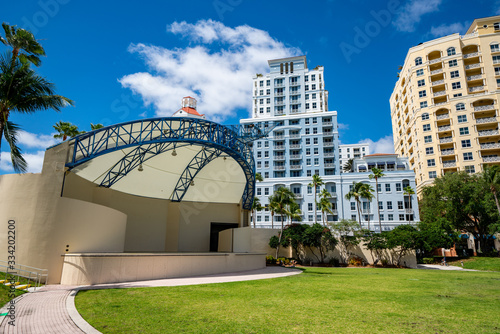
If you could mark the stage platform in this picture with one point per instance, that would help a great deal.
(98, 268)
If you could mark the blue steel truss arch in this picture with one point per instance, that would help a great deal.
(150, 137)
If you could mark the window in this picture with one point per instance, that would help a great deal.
(496, 26)
(307, 105)
(432, 175)
(381, 205)
(431, 162)
(268, 82)
(308, 131)
(451, 51)
(266, 144)
(456, 85)
(314, 105)
(427, 127)
(259, 191)
(464, 131)
(429, 150)
(495, 47)
(468, 156)
(418, 61)
(316, 151)
(421, 83)
(307, 121)
(316, 161)
(423, 104)
(496, 59)
(401, 217)
(315, 131)
(309, 173)
(306, 87)
(259, 144)
(422, 93)
(420, 72)
(387, 187)
(462, 118)
(379, 188)
(268, 92)
(261, 84)
(398, 186)
(261, 92)
(454, 74)
(353, 217)
(313, 86)
(266, 175)
(308, 142)
(308, 162)
(498, 82)
(425, 116)
(266, 218)
(259, 218)
(381, 217)
(457, 95)
(470, 169)
(268, 109)
(309, 207)
(353, 206)
(313, 77)
(266, 154)
(309, 190)
(266, 164)
(389, 205)
(400, 205)
(459, 106)
(308, 151)
(466, 143)
(315, 141)
(452, 63)
(497, 70)
(428, 139)
(261, 110)
(259, 154)
(390, 217)
(266, 191)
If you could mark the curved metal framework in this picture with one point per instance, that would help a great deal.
(150, 137)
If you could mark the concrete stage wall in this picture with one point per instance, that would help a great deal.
(98, 268)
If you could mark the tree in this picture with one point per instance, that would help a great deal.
(258, 177)
(283, 198)
(21, 89)
(316, 182)
(96, 126)
(320, 238)
(292, 236)
(376, 243)
(409, 192)
(356, 193)
(293, 212)
(349, 232)
(402, 240)
(377, 174)
(366, 192)
(437, 233)
(272, 207)
(491, 175)
(325, 206)
(65, 130)
(348, 166)
(256, 206)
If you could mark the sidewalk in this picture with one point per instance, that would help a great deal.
(51, 309)
(440, 267)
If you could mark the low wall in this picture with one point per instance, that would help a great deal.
(97, 268)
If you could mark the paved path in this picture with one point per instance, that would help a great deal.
(51, 309)
(440, 267)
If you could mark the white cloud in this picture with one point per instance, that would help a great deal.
(383, 145)
(33, 140)
(448, 29)
(34, 160)
(343, 126)
(412, 12)
(220, 80)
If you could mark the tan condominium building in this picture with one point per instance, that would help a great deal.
(444, 107)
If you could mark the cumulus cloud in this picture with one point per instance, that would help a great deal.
(448, 29)
(383, 145)
(34, 160)
(33, 140)
(216, 68)
(411, 14)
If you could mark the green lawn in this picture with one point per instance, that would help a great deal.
(480, 263)
(320, 300)
(4, 294)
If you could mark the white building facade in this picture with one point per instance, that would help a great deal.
(352, 151)
(292, 102)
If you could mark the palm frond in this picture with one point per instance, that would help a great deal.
(10, 133)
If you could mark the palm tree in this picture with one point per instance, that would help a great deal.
(21, 89)
(283, 198)
(258, 177)
(66, 129)
(272, 207)
(96, 126)
(325, 206)
(24, 45)
(255, 207)
(359, 190)
(293, 212)
(376, 174)
(409, 191)
(491, 175)
(367, 193)
(316, 182)
(348, 166)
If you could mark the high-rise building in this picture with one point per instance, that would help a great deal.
(444, 106)
(352, 151)
(292, 102)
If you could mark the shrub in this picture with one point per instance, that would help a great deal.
(283, 261)
(270, 259)
(334, 262)
(428, 260)
(355, 261)
(384, 262)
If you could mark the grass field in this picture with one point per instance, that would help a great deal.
(479, 263)
(320, 300)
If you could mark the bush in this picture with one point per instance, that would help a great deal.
(334, 262)
(270, 259)
(356, 261)
(283, 261)
(428, 260)
(384, 262)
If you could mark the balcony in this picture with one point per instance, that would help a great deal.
(442, 116)
(409, 211)
(440, 93)
(295, 157)
(279, 112)
(279, 167)
(484, 108)
(448, 152)
(434, 61)
(294, 102)
(329, 165)
(335, 212)
(327, 133)
(295, 167)
(279, 103)
(366, 211)
(444, 128)
(476, 89)
(483, 133)
(471, 66)
(279, 157)
(471, 55)
(294, 135)
(491, 158)
(333, 195)
(475, 77)
(445, 140)
(328, 144)
(449, 164)
(329, 155)
(483, 120)
(279, 84)
(327, 123)
(278, 137)
(279, 94)
(485, 146)
(437, 71)
(295, 146)
(439, 82)
(440, 103)
(279, 147)
(294, 83)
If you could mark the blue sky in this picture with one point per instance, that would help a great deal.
(124, 60)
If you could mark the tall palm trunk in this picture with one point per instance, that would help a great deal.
(493, 190)
(359, 211)
(315, 204)
(378, 207)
